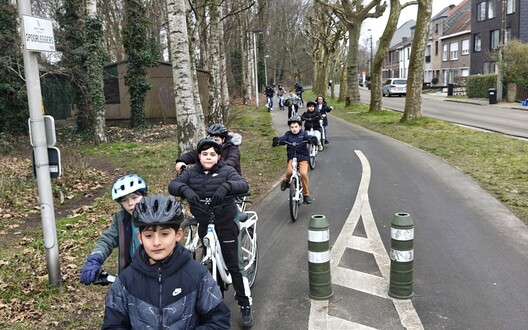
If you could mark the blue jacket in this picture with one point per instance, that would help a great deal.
(177, 293)
(302, 150)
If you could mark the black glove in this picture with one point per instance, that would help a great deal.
(275, 142)
(313, 140)
(191, 196)
(220, 194)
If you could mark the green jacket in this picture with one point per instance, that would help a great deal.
(119, 234)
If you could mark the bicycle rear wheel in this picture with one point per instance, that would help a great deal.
(191, 241)
(294, 205)
(249, 256)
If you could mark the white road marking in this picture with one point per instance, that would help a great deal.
(367, 283)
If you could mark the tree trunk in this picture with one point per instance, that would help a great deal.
(352, 94)
(413, 102)
(190, 128)
(213, 45)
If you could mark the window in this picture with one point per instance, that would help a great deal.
(481, 11)
(444, 53)
(464, 72)
(436, 28)
(477, 43)
(494, 39)
(491, 9)
(436, 48)
(465, 47)
(453, 48)
(510, 6)
(507, 35)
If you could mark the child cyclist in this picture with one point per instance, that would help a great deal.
(212, 178)
(128, 190)
(323, 108)
(164, 288)
(230, 151)
(296, 134)
(311, 120)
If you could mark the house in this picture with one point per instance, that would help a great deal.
(433, 54)
(494, 22)
(395, 58)
(456, 44)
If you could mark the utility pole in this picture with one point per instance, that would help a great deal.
(255, 32)
(38, 138)
(500, 92)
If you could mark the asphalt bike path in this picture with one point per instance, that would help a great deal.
(470, 260)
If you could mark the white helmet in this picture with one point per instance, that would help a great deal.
(131, 183)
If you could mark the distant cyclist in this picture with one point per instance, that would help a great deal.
(324, 109)
(230, 152)
(280, 96)
(299, 89)
(269, 92)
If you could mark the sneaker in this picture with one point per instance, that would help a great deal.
(246, 319)
(320, 147)
(326, 141)
(284, 185)
(307, 200)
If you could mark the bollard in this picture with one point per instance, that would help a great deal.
(319, 258)
(402, 256)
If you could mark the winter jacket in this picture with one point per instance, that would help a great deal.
(323, 109)
(119, 234)
(205, 185)
(176, 293)
(311, 120)
(230, 153)
(302, 150)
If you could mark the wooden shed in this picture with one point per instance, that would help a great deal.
(159, 103)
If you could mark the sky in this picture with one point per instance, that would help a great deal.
(378, 25)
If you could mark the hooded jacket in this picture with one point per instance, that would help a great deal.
(302, 149)
(176, 293)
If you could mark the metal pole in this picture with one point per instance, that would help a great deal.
(266, 70)
(256, 69)
(40, 149)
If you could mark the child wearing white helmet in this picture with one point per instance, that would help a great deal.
(128, 190)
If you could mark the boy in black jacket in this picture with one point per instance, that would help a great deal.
(311, 120)
(212, 178)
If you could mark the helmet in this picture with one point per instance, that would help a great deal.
(310, 103)
(207, 143)
(295, 119)
(128, 184)
(217, 130)
(158, 210)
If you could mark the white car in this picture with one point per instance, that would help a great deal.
(394, 86)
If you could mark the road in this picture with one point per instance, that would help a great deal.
(494, 118)
(471, 253)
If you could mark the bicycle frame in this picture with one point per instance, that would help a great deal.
(296, 176)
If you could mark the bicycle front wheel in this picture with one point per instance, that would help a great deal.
(294, 205)
(250, 254)
(313, 155)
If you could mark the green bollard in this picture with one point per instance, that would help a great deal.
(319, 258)
(402, 256)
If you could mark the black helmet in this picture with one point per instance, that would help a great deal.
(295, 119)
(157, 210)
(310, 103)
(207, 143)
(217, 130)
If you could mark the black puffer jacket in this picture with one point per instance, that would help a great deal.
(205, 185)
(177, 293)
(311, 119)
(230, 153)
(301, 149)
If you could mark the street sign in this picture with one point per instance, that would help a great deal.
(54, 163)
(49, 127)
(38, 34)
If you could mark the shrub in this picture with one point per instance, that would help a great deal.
(477, 86)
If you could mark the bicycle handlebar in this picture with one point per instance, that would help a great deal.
(104, 278)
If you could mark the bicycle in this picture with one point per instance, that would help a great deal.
(323, 131)
(295, 196)
(213, 259)
(313, 149)
(293, 104)
(281, 102)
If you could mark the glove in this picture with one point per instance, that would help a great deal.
(220, 194)
(191, 196)
(313, 140)
(91, 268)
(275, 142)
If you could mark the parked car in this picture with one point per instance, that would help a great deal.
(394, 86)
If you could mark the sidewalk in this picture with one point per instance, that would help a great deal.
(476, 101)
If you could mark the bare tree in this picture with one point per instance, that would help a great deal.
(384, 44)
(352, 13)
(189, 114)
(413, 101)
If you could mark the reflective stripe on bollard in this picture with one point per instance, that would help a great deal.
(402, 256)
(319, 258)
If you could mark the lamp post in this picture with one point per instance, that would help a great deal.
(255, 31)
(370, 67)
(266, 69)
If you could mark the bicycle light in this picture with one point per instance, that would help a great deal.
(206, 241)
